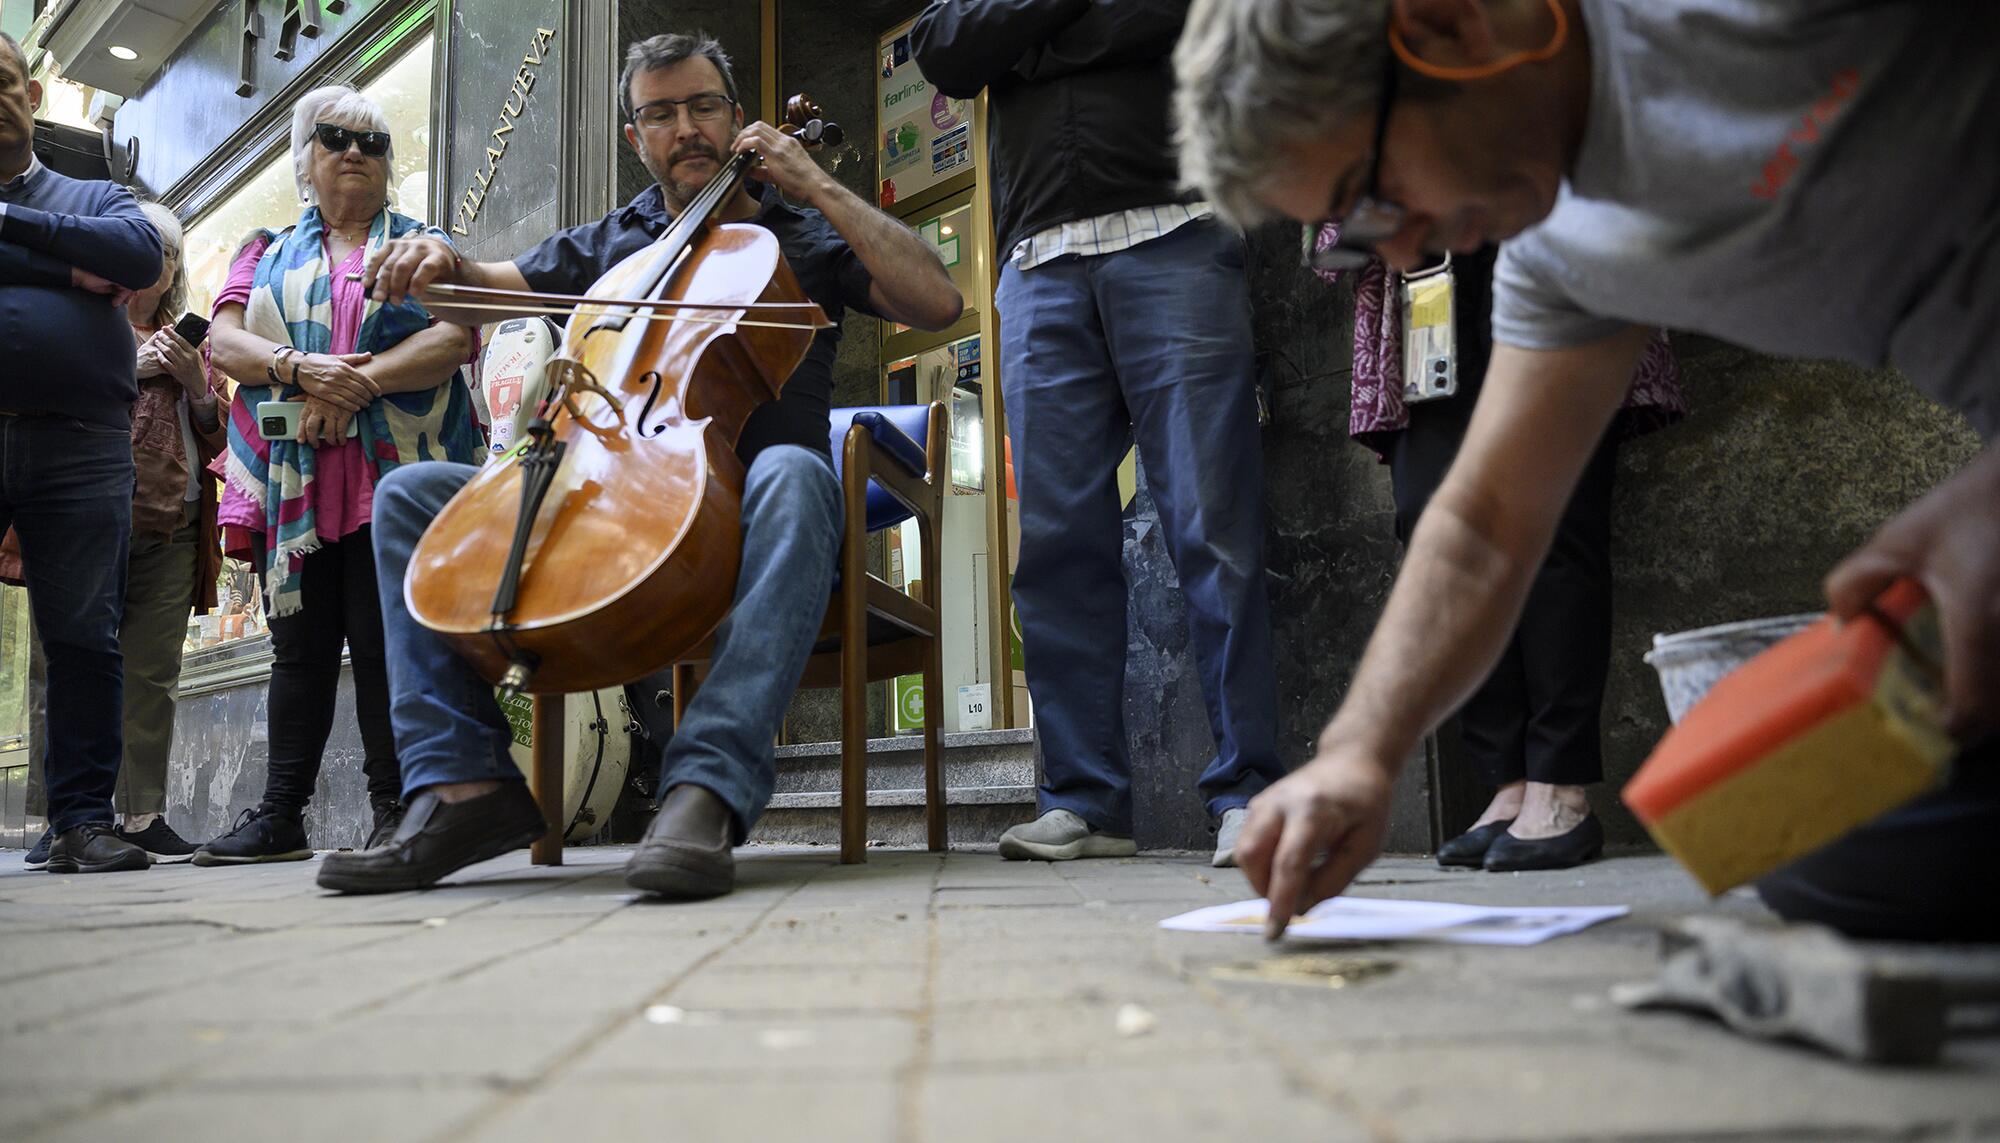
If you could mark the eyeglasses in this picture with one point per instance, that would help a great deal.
(706, 107)
(1372, 219)
(373, 144)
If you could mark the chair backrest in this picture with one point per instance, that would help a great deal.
(901, 431)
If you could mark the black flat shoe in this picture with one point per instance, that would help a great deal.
(1469, 848)
(686, 854)
(439, 838)
(1583, 842)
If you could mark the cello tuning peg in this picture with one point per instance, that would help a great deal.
(831, 135)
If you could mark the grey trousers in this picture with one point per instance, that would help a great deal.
(159, 584)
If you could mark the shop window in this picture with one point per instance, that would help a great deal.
(269, 200)
(14, 653)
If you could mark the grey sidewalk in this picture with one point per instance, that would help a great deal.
(911, 998)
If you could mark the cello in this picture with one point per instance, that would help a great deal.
(607, 545)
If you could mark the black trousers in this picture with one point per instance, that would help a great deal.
(340, 605)
(1925, 872)
(1539, 715)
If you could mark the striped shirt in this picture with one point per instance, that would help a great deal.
(1106, 233)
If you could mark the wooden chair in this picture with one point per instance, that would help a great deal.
(893, 465)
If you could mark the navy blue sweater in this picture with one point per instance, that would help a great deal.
(64, 350)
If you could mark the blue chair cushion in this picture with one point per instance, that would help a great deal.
(897, 429)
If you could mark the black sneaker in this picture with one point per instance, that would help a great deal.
(94, 848)
(261, 834)
(388, 815)
(38, 857)
(160, 842)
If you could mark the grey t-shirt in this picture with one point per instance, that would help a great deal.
(1804, 177)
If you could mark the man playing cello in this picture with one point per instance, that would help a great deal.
(467, 801)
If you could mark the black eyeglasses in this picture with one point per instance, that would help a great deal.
(706, 107)
(373, 144)
(1372, 219)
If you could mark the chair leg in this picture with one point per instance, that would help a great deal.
(935, 810)
(853, 748)
(854, 654)
(548, 730)
(684, 685)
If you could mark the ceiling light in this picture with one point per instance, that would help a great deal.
(122, 52)
(945, 230)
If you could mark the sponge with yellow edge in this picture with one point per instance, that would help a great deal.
(1821, 733)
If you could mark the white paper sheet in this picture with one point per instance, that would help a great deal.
(1373, 919)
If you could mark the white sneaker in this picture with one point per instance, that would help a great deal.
(1060, 835)
(1226, 835)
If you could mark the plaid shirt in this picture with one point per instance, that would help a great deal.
(1106, 233)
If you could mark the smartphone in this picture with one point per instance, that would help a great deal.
(279, 420)
(192, 328)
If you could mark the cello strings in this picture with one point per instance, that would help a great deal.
(566, 312)
(449, 290)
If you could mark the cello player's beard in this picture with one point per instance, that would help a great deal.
(680, 192)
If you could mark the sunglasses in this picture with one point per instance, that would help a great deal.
(1372, 219)
(373, 144)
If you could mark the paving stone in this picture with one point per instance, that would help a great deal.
(726, 1044)
(1082, 1034)
(375, 1112)
(1657, 1085)
(491, 1047)
(755, 1108)
(1010, 982)
(1159, 1103)
(839, 987)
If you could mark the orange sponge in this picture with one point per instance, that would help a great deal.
(1824, 732)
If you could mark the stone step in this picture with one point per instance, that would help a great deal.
(989, 778)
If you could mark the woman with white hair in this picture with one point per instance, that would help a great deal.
(173, 560)
(378, 387)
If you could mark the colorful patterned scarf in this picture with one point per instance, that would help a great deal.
(291, 303)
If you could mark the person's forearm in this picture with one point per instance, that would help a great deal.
(485, 276)
(1453, 607)
(1539, 418)
(423, 360)
(240, 354)
(963, 45)
(915, 288)
(118, 248)
(21, 266)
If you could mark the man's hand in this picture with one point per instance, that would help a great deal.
(83, 279)
(1312, 833)
(1949, 542)
(338, 380)
(406, 266)
(786, 164)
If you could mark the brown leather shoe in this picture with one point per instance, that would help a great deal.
(686, 853)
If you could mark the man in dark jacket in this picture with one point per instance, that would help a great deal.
(1125, 313)
(71, 254)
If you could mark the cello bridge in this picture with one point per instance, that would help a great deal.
(568, 377)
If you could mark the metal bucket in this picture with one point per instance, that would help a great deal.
(1690, 662)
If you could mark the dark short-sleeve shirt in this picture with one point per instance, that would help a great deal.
(827, 268)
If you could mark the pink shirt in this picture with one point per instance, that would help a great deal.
(343, 489)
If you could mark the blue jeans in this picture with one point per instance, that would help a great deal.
(448, 724)
(66, 488)
(1153, 341)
